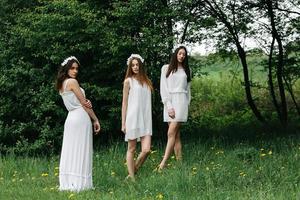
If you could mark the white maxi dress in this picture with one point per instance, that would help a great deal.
(175, 93)
(75, 168)
(138, 120)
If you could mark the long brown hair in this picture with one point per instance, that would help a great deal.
(62, 73)
(173, 66)
(141, 76)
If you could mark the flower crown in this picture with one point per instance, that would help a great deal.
(68, 59)
(134, 56)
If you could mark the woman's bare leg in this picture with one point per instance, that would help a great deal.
(172, 131)
(178, 146)
(130, 157)
(146, 145)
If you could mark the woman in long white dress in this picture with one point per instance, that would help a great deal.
(176, 96)
(75, 168)
(136, 112)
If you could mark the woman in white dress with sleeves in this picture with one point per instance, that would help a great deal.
(136, 112)
(176, 96)
(75, 168)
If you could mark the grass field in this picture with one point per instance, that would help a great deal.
(211, 169)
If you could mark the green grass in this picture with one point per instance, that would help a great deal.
(211, 169)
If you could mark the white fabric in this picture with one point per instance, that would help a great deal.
(138, 120)
(75, 168)
(175, 93)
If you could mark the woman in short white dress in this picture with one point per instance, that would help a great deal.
(75, 168)
(136, 112)
(176, 96)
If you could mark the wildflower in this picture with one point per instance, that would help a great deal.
(44, 174)
(71, 196)
(263, 154)
(53, 188)
(194, 168)
(160, 196)
(113, 173)
(152, 152)
(56, 168)
(270, 152)
(173, 157)
(56, 174)
(243, 174)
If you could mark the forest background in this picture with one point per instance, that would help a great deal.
(233, 90)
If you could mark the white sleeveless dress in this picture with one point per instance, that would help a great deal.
(138, 121)
(75, 168)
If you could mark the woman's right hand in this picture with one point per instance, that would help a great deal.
(171, 113)
(123, 129)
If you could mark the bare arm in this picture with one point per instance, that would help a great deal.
(74, 86)
(126, 88)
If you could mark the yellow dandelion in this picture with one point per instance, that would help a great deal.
(270, 152)
(44, 174)
(71, 196)
(160, 196)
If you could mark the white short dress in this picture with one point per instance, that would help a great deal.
(175, 93)
(138, 120)
(75, 168)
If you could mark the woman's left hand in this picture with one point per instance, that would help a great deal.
(88, 104)
(97, 127)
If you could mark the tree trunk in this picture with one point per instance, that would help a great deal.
(280, 64)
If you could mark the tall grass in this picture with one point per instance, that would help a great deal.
(211, 169)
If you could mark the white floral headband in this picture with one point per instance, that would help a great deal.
(68, 59)
(134, 56)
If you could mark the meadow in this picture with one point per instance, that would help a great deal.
(211, 169)
(227, 154)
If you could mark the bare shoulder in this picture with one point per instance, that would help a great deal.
(127, 82)
(72, 81)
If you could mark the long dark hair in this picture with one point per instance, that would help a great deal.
(62, 73)
(173, 66)
(142, 76)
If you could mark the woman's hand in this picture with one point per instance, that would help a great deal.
(88, 104)
(97, 127)
(123, 129)
(171, 113)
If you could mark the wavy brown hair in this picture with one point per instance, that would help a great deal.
(141, 76)
(173, 66)
(62, 73)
